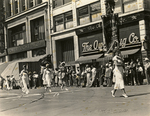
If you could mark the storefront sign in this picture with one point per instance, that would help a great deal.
(88, 47)
(89, 28)
(132, 39)
(27, 47)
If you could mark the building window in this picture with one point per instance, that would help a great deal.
(63, 21)
(38, 52)
(39, 1)
(18, 56)
(129, 5)
(123, 6)
(23, 5)
(30, 2)
(89, 13)
(9, 9)
(16, 6)
(37, 29)
(18, 35)
(57, 3)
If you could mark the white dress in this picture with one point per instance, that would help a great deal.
(47, 77)
(25, 81)
(118, 73)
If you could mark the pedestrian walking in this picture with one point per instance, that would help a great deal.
(1, 82)
(8, 82)
(30, 80)
(62, 75)
(78, 76)
(24, 78)
(139, 71)
(94, 72)
(47, 77)
(108, 72)
(147, 70)
(118, 73)
(35, 79)
(88, 75)
(56, 77)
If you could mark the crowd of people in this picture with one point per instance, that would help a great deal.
(127, 73)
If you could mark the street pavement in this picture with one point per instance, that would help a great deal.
(76, 102)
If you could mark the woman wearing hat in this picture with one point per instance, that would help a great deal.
(47, 77)
(25, 80)
(118, 73)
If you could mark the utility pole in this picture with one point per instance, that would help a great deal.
(110, 29)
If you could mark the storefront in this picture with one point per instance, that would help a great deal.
(90, 40)
(92, 49)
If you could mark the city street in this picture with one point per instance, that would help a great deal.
(76, 102)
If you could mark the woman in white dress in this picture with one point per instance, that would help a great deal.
(47, 77)
(88, 75)
(118, 74)
(24, 79)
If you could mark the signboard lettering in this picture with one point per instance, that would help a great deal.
(132, 39)
(87, 47)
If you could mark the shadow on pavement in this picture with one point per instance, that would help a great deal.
(138, 94)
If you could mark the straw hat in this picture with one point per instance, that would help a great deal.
(146, 59)
(47, 65)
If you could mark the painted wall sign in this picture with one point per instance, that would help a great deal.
(91, 43)
(89, 28)
(26, 47)
(96, 46)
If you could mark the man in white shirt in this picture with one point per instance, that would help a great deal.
(147, 70)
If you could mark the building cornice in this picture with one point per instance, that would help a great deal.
(25, 12)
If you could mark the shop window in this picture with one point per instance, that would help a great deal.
(37, 29)
(2, 59)
(63, 21)
(18, 56)
(89, 13)
(65, 50)
(18, 35)
(57, 3)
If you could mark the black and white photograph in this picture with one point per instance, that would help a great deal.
(74, 57)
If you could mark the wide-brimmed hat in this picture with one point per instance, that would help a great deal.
(47, 65)
(146, 59)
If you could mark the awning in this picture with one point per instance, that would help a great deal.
(124, 53)
(3, 66)
(13, 67)
(130, 52)
(88, 59)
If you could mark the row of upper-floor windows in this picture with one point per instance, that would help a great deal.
(17, 35)
(14, 7)
(90, 13)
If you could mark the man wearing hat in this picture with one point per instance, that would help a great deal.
(147, 70)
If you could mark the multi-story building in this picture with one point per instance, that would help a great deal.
(72, 30)
(77, 29)
(26, 28)
(2, 40)
(26, 33)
